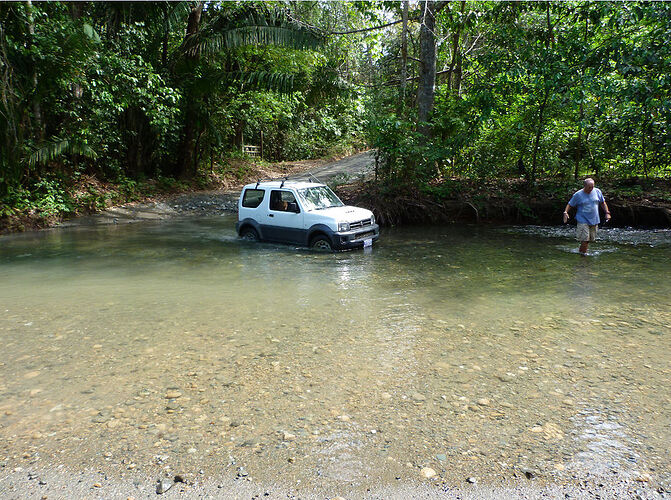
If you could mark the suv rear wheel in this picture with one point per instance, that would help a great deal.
(249, 234)
(321, 244)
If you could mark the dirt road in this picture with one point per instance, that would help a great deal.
(218, 202)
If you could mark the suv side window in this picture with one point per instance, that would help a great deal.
(253, 198)
(283, 201)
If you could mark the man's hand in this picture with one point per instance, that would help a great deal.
(607, 216)
(566, 217)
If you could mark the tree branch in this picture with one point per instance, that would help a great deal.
(365, 29)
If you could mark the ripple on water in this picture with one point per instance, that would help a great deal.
(618, 235)
(605, 445)
(593, 250)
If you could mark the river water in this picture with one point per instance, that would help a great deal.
(486, 352)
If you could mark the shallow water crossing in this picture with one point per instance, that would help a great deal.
(469, 352)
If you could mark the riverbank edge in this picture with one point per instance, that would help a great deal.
(638, 203)
(56, 483)
(646, 205)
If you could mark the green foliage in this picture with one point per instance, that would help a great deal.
(554, 90)
(45, 198)
(117, 91)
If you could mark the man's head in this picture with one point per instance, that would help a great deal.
(589, 185)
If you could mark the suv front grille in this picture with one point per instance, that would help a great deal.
(359, 224)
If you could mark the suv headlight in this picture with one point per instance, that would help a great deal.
(343, 227)
(372, 220)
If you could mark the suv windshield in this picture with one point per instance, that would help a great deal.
(316, 198)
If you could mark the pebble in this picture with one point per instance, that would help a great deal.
(483, 402)
(288, 436)
(528, 473)
(416, 396)
(428, 473)
(471, 480)
(163, 486)
(172, 394)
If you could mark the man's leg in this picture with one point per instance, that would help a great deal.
(583, 236)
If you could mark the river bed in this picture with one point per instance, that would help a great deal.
(449, 356)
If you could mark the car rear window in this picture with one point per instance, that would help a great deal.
(252, 198)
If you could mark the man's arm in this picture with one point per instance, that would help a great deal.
(605, 209)
(568, 207)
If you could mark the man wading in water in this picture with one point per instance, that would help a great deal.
(586, 202)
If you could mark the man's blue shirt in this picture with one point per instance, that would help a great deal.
(587, 206)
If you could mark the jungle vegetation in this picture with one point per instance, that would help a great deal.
(147, 94)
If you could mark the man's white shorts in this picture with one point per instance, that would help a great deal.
(585, 232)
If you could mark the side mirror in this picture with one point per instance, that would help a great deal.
(293, 207)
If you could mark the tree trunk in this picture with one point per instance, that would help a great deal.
(426, 89)
(644, 154)
(187, 166)
(539, 132)
(578, 155)
(455, 54)
(404, 53)
(427, 71)
(37, 109)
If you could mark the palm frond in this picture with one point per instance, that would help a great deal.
(258, 35)
(252, 27)
(56, 147)
(255, 80)
(177, 12)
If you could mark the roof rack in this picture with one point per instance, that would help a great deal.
(284, 179)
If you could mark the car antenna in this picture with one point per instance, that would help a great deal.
(257, 183)
(283, 181)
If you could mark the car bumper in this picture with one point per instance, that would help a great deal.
(355, 239)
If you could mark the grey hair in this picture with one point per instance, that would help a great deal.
(589, 180)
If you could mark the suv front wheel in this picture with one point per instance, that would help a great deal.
(321, 244)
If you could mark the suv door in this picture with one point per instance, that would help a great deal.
(284, 219)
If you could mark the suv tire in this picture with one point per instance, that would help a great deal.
(321, 244)
(249, 234)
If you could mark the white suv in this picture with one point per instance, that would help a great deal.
(303, 213)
